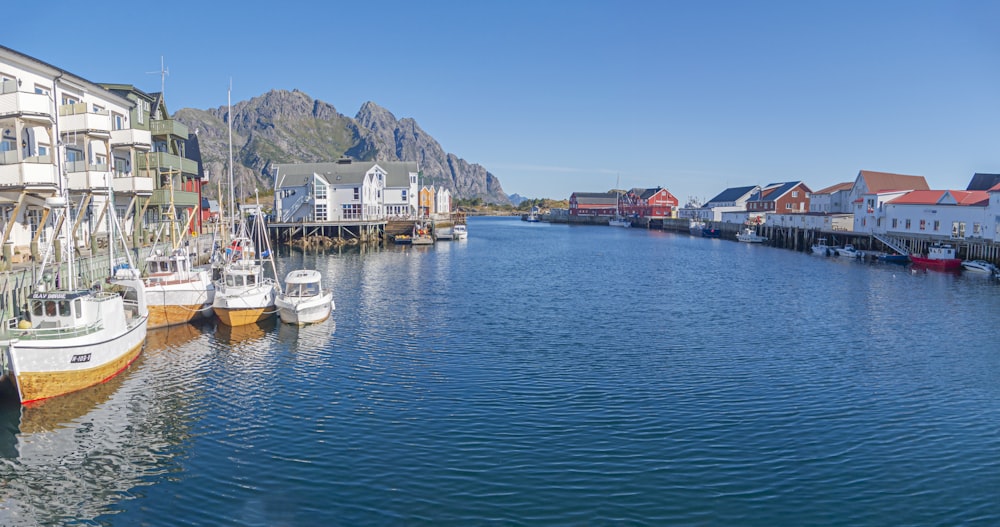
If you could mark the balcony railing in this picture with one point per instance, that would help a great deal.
(74, 118)
(83, 176)
(24, 104)
(168, 127)
(38, 171)
(140, 139)
(182, 198)
(164, 161)
(142, 186)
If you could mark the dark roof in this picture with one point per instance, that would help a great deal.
(983, 181)
(192, 151)
(773, 191)
(647, 192)
(732, 194)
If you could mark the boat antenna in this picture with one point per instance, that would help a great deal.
(232, 192)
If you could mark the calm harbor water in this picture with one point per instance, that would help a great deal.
(542, 374)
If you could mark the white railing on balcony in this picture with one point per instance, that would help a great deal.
(86, 122)
(34, 171)
(133, 185)
(141, 139)
(24, 103)
(97, 177)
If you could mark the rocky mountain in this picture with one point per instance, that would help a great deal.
(291, 127)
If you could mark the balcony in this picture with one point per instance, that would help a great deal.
(168, 127)
(24, 104)
(87, 177)
(182, 198)
(142, 186)
(140, 139)
(163, 160)
(38, 171)
(75, 118)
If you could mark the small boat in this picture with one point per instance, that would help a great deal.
(304, 301)
(821, 248)
(894, 258)
(749, 235)
(533, 216)
(939, 257)
(460, 231)
(445, 233)
(695, 227)
(421, 235)
(402, 239)
(979, 266)
(850, 251)
(710, 232)
(619, 221)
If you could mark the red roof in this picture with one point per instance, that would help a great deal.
(934, 197)
(884, 181)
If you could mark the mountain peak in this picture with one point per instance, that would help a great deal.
(284, 126)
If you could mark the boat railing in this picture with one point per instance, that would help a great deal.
(47, 333)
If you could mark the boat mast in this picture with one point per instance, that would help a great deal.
(232, 192)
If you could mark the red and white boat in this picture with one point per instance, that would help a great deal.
(939, 257)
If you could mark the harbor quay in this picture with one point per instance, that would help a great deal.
(801, 239)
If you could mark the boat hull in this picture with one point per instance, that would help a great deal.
(937, 264)
(172, 315)
(311, 311)
(41, 370)
(243, 317)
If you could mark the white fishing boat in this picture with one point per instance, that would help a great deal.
(177, 291)
(70, 337)
(243, 294)
(304, 300)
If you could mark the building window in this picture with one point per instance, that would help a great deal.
(320, 212)
(976, 230)
(788, 206)
(958, 229)
(895, 223)
(923, 225)
(937, 225)
(357, 193)
(795, 193)
(404, 195)
(907, 224)
(41, 90)
(117, 121)
(321, 191)
(351, 211)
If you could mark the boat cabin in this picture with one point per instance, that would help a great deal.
(303, 283)
(941, 252)
(55, 310)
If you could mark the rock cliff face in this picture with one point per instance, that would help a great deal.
(291, 127)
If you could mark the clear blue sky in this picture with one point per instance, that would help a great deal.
(560, 96)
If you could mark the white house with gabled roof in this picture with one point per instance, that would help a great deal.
(345, 190)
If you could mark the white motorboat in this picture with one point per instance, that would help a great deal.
(304, 300)
(979, 266)
(850, 251)
(749, 235)
(460, 231)
(821, 248)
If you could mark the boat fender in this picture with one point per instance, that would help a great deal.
(24, 324)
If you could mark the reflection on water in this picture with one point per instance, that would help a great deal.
(91, 448)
